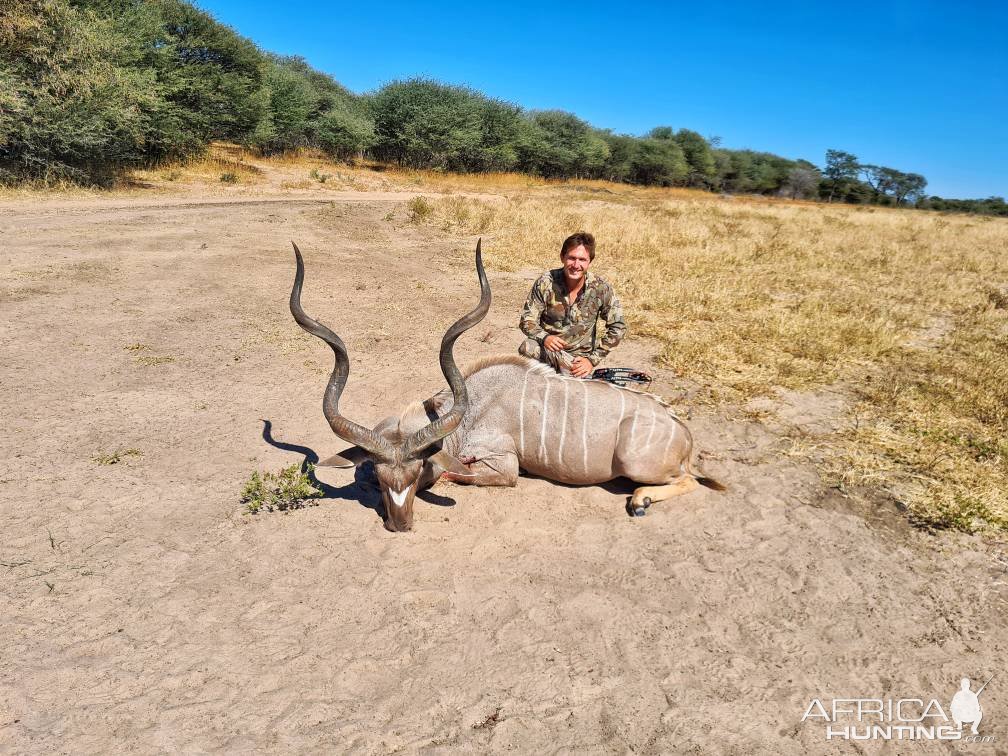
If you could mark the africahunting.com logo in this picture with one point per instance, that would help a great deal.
(902, 718)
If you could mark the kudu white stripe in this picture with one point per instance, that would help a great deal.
(622, 411)
(671, 435)
(584, 426)
(543, 451)
(521, 412)
(651, 429)
(563, 423)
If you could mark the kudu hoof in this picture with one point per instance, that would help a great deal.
(639, 510)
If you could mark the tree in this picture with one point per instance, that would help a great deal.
(661, 132)
(307, 108)
(567, 146)
(802, 181)
(621, 151)
(877, 178)
(891, 185)
(743, 171)
(292, 105)
(658, 161)
(68, 110)
(503, 129)
(699, 157)
(907, 187)
(424, 124)
(841, 169)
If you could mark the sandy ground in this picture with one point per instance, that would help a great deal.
(144, 612)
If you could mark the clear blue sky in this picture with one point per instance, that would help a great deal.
(918, 86)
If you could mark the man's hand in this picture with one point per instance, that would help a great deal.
(554, 344)
(581, 367)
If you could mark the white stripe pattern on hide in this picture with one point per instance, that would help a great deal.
(563, 424)
(671, 435)
(521, 412)
(543, 452)
(622, 409)
(651, 430)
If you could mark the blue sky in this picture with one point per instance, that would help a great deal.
(918, 86)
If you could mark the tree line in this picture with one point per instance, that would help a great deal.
(89, 88)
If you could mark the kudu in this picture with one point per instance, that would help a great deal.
(506, 413)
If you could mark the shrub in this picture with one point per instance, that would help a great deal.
(291, 488)
(419, 209)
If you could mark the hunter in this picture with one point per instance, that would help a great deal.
(562, 311)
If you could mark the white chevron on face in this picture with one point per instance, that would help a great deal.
(399, 497)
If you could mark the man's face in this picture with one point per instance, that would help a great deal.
(576, 262)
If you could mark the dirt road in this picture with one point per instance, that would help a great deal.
(151, 365)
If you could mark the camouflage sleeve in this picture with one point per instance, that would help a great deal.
(615, 327)
(531, 323)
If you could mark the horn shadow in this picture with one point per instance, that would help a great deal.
(362, 490)
(429, 497)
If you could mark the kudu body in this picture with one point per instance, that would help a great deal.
(509, 413)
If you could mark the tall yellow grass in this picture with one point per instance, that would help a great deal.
(907, 311)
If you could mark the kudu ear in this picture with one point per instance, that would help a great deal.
(347, 458)
(449, 464)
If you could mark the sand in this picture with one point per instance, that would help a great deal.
(144, 612)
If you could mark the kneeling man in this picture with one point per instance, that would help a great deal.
(562, 311)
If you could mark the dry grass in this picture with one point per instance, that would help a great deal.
(906, 308)
(226, 168)
(221, 161)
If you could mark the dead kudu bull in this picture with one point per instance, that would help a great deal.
(508, 413)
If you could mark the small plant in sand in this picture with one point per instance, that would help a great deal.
(229, 177)
(153, 360)
(419, 209)
(288, 489)
(114, 458)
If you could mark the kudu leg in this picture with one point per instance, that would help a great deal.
(645, 496)
(500, 470)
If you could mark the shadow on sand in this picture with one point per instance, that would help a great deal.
(363, 490)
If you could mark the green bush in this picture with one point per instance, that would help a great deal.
(89, 87)
(306, 108)
(67, 110)
(288, 489)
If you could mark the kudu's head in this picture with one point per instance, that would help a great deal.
(398, 457)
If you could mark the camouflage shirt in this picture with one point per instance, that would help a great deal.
(546, 314)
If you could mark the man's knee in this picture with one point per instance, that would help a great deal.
(532, 349)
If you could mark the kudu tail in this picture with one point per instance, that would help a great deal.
(710, 483)
(703, 480)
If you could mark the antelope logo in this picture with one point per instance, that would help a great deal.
(504, 414)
